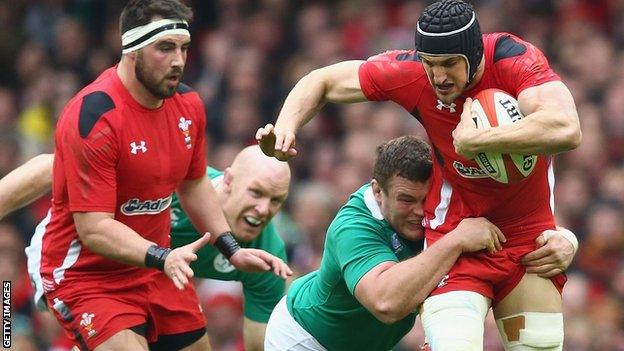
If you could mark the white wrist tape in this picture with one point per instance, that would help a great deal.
(565, 233)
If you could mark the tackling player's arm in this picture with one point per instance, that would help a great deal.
(550, 125)
(390, 291)
(26, 183)
(337, 83)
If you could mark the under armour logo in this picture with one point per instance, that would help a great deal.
(443, 281)
(442, 105)
(136, 148)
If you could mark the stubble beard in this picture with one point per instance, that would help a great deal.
(157, 88)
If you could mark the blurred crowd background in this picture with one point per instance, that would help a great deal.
(246, 55)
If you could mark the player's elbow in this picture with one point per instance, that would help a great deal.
(570, 137)
(575, 138)
(569, 129)
(89, 227)
(87, 237)
(389, 312)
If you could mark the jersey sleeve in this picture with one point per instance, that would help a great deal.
(395, 76)
(527, 70)
(358, 248)
(262, 291)
(197, 167)
(89, 159)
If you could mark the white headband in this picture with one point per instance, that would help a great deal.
(139, 37)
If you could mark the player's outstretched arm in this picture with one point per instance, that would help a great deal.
(554, 252)
(26, 183)
(107, 237)
(102, 234)
(390, 291)
(337, 83)
(255, 260)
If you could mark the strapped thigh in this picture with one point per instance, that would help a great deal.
(532, 331)
(454, 321)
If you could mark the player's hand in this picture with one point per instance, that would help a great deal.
(476, 234)
(465, 132)
(254, 260)
(177, 263)
(275, 143)
(553, 254)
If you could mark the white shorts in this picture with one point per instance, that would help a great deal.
(284, 333)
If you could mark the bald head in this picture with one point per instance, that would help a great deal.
(254, 189)
(251, 162)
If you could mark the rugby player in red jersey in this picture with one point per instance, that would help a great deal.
(453, 61)
(124, 144)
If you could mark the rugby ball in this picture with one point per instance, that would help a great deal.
(492, 108)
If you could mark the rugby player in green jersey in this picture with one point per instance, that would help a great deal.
(250, 192)
(366, 293)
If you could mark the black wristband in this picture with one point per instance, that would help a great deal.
(155, 257)
(226, 244)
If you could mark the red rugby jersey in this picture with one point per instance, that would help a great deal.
(459, 188)
(114, 155)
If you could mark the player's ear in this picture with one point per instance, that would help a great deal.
(131, 55)
(376, 190)
(228, 177)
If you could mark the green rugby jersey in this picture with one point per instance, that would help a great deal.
(262, 291)
(323, 301)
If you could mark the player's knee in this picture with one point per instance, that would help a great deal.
(532, 331)
(454, 321)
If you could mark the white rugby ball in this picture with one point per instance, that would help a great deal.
(492, 108)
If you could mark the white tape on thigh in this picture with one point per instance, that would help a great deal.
(454, 320)
(542, 331)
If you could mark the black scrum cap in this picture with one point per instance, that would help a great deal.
(450, 27)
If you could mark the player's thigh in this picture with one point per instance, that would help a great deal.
(529, 317)
(203, 344)
(92, 318)
(532, 294)
(455, 320)
(124, 340)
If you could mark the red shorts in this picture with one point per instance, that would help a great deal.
(91, 315)
(491, 275)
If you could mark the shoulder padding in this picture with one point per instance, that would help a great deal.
(506, 46)
(93, 106)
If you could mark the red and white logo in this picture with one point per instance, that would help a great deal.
(184, 125)
(87, 323)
